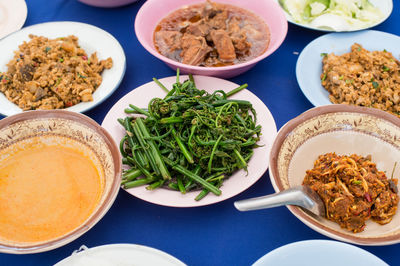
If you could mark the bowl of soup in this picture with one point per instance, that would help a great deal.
(59, 175)
(221, 38)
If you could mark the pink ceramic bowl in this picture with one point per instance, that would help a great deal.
(107, 3)
(151, 13)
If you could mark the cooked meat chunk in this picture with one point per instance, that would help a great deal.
(251, 32)
(238, 36)
(26, 72)
(168, 41)
(200, 28)
(210, 9)
(194, 49)
(224, 45)
(219, 20)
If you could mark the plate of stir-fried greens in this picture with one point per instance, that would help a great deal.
(191, 141)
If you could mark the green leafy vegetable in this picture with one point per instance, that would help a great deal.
(188, 140)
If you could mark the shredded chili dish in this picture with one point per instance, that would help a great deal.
(52, 74)
(363, 78)
(353, 190)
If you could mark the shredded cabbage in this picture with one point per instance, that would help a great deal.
(339, 15)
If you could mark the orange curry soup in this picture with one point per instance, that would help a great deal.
(48, 187)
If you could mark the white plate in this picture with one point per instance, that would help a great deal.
(120, 255)
(317, 253)
(12, 16)
(309, 63)
(386, 7)
(238, 182)
(91, 39)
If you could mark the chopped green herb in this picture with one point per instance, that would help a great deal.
(323, 77)
(61, 60)
(385, 68)
(375, 84)
(47, 49)
(385, 50)
(359, 49)
(357, 182)
(341, 77)
(81, 76)
(349, 81)
(323, 54)
(372, 79)
(57, 82)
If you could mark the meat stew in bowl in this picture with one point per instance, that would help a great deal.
(211, 35)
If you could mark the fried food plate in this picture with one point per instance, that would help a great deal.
(90, 38)
(238, 182)
(309, 63)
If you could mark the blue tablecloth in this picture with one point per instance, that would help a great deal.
(210, 235)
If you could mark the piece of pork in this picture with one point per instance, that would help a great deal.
(219, 20)
(238, 36)
(195, 49)
(168, 41)
(200, 28)
(224, 45)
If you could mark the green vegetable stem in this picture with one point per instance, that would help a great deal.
(189, 140)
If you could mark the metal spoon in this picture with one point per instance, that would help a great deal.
(302, 196)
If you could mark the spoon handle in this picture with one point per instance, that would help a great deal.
(293, 196)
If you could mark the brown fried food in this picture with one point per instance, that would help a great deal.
(52, 74)
(353, 190)
(363, 78)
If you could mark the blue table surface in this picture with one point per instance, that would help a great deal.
(211, 235)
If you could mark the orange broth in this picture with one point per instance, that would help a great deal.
(46, 190)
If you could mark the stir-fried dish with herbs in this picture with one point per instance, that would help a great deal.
(363, 78)
(52, 74)
(353, 190)
(188, 140)
(211, 34)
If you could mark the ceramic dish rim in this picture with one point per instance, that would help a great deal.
(384, 18)
(219, 198)
(96, 216)
(92, 103)
(310, 93)
(149, 48)
(297, 211)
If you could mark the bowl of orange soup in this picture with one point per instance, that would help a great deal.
(59, 175)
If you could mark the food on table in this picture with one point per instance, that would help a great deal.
(49, 186)
(339, 15)
(52, 74)
(363, 78)
(353, 190)
(211, 34)
(188, 140)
